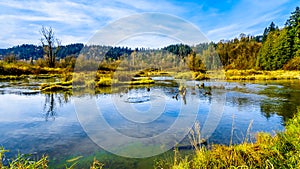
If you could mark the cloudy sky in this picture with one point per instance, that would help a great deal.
(78, 20)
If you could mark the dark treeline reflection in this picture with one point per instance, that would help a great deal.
(286, 109)
(52, 102)
(283, 101)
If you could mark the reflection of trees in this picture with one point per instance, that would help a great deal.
(52, 100)
(284, 103)
(282, 108)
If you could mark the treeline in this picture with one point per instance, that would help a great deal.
(28, 51)
(25, 51)
(275, 49)
(281, 48)
(239, 53)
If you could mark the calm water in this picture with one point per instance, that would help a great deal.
(36, 123)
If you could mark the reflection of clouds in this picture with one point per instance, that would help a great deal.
(29, 108)
(14, 108)
(115, 130)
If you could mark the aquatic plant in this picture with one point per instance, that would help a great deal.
(23, 161)
(56, 86)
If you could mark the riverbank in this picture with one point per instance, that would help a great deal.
(279, 151)
(261, 75)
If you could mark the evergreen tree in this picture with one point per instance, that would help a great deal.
(269, 29)
(293, 26)
(282, 50)
(280, 46)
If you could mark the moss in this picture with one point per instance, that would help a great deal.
(140, 81)
(10, 77)
(104, 81)
(54, 88)
(58, 86)
(200, 76)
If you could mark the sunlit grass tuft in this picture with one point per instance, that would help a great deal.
(261, 75)
(279, 151)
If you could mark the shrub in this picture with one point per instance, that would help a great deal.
(293, 64)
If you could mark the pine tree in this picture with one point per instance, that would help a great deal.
(269, 29)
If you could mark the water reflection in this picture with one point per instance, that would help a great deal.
(52, 101)
(282, 100)
(23, 113)
(285, 109)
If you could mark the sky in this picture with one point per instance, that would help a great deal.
(78, 21)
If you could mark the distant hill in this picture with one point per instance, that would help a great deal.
(26, 51)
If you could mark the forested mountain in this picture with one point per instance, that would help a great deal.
(24, 51)
(106, 52)
(27, 51)
(68, 50)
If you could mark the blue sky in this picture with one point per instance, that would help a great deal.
(78, 20)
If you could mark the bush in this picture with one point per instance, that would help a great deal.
(293, 64)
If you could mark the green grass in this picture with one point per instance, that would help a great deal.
(24, 162)
(279, 151)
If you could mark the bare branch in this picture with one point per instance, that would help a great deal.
(51, 45)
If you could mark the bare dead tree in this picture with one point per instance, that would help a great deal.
(51, 45)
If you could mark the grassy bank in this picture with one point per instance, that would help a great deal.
(261, 75)
(279, 151)
(23, 68)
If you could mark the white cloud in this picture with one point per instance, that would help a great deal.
(145, 24)
(77, 21)
(71, 20)
(148, 40)
(250, 17)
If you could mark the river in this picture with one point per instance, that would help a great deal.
(38, 123)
